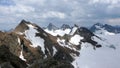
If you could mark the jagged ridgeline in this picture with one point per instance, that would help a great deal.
(29, 46)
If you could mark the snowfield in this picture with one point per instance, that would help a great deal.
(108, 56)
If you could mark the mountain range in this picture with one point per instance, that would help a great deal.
(102, 27)
(30, 46)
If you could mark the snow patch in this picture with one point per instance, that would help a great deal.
(20, 33)
(76, 39)
(54, 50)
(19, 41)
(31, 35)
(62, 42)
(21, 56)
(73, 30)
(58, 32)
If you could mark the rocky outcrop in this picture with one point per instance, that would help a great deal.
(9, 60)
(51, 63)
(22, 26)
(11, 41)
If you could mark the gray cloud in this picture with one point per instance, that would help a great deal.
(42, 12)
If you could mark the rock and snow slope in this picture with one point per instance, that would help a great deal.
(37, 44)
(62, 47)
(105, 57)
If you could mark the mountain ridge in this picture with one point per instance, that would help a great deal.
(107, 27)
(31, 43)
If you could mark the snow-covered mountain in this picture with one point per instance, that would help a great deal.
(31, 43)
(105, 57)
(74, 47)
(105, 29)
(52, 27)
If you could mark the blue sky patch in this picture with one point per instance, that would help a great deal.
(6, 2)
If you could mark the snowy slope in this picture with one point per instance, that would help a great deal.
(76, 39)
(62, 32)
(58, 32)
(31, 35)
(105, 57)
(103, 31)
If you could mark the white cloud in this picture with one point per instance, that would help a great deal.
(66, 11)
(115, 21)
(16, 9)
(105, 1)
(21, 9)
(54, 14)
(30, 2)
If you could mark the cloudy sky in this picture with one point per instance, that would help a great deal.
(42, 12)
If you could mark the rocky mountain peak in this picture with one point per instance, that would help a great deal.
(31, 44)
(65, 26)
(105, 27)
(22, 26)
(51, 27)
(99, 24)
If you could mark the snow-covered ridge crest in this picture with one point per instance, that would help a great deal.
(62, 32)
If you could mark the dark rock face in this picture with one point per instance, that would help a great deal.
(65, 26)
(6, 65)
(87, 34)
(7, 59)
(51, 63)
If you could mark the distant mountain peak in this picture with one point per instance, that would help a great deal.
(106, 27)
(65, 26)
(75, 25)
(99, 24)
(52, 27)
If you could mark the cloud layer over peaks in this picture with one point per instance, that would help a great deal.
(42, 12)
